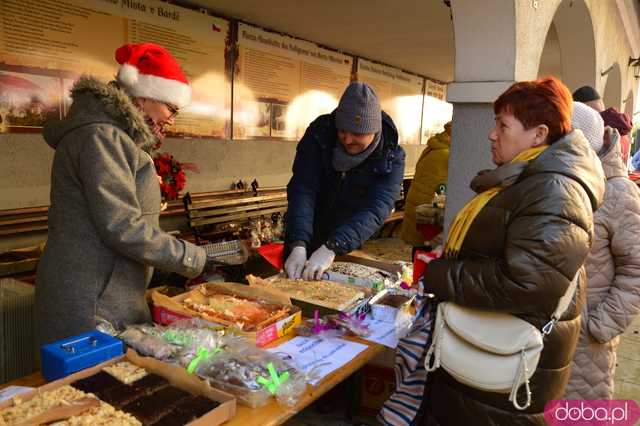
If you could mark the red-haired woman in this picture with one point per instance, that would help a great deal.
(516, 247)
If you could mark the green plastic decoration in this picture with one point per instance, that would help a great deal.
(201, 355)
(276, 380)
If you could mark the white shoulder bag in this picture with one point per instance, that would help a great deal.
(490, 351)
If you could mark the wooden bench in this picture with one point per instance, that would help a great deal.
(392, 222)
(21, 221)
(206, 212)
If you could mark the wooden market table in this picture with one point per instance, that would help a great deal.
(272, 413)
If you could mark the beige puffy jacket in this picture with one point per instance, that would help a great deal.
(613, 268)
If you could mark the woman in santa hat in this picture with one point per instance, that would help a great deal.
(104, 236)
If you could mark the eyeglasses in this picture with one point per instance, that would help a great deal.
(173, 110)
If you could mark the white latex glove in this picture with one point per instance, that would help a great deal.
(319, 262)
(295, 262)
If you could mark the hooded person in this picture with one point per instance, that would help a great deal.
(623, 124)
(613, 290)
(104, 237)
(347, 175)
(431, 172)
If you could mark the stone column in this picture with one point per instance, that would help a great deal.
(470, 151)
(497, 42)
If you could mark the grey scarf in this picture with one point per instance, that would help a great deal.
(343, 161)
(502, 176)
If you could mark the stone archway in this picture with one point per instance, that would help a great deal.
(612, 93)
(492, 51)
(569, 50)
(551, 58)
(629, 103)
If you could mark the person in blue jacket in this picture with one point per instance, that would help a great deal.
(346, 178)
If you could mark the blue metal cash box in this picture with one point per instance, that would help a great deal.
(67, 356)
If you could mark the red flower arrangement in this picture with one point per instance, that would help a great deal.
(171, 174)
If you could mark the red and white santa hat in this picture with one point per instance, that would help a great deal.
(149, 71)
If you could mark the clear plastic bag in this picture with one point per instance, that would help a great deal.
(106, 327)
(147, 341)
(237, 370)
(404, 322)
(290, 391)
(318, 328)
(351, 323)
(195, 338)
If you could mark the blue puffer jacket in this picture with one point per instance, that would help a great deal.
(343, 208)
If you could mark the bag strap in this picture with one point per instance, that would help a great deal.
(522, 377)
(435, 347)
(563, 304)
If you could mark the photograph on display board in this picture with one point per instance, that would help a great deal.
(85, 43)
(206, 62)
(67, 85)
(257, 115)
(436, 110)
(400, 95)
(27, 101)
(297, 78)
(279, 120)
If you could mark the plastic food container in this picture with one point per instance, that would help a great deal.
(386, 305)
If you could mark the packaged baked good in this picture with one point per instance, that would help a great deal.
(328, 294)
(105, 414)
(147, 397)
(360, 271)
(238, 373)
(245, 313)
(147, 340)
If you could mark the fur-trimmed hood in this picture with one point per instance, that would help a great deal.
(97, 102)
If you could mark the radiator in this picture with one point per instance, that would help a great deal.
(17, 340)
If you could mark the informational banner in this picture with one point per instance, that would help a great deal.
(281, 84)
(46, 44)
(400, 95)
(436, 111)
(436, 90)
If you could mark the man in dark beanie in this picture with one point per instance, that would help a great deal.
(590, 96)
(346, 177)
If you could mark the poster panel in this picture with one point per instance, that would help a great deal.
(62, 39)
(281, 84)
(400, 95)
(436, 111)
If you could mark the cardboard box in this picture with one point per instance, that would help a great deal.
(392, 269)
(175, 374)
(167, 310)
(348, 279)
(386, 313)
(377, 386)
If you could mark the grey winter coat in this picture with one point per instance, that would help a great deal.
(613, 268)
(104, 235)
